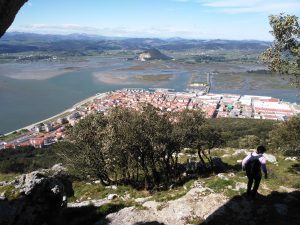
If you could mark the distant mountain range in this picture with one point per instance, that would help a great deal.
(15, 42)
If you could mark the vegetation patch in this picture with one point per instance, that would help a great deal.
(154, 78)
(219, 185)
(111, 208)
(24, 160)
(9, 192)
(13, 135)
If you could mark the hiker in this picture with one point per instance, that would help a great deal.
(253, 164)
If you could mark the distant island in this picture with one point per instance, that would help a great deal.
(152, 54)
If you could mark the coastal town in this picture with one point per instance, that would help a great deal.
(46, 133)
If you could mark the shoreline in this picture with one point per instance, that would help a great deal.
(97, 95)
(69, 110)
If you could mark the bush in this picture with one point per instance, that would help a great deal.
(249, 141)
(23, 160)
(286, 136)
(234, 129)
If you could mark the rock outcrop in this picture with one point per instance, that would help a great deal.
(198, 203)
(42, 194)
(8, 11)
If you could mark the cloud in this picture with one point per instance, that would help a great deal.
(50, 28)
(250, 6)
(157, 31)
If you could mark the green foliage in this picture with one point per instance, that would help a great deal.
(22, 160)
(193, 131)
(234, 129)
(249, 141)
(139, 147)
(85, 148)
(286, 136)
(110, 208)
(84, 191)
(284, 55)
(218, 184)
(164, 196)
(10, 192)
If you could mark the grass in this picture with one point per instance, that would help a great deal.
(111, 207)
(164, 196)
(7, 176)
(178, 192)
(218, 184)
(280, 174)
(9, 192)
(84, 191)
(283, 173)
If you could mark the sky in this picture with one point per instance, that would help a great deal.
(195, 19)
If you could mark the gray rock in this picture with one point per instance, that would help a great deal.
(270, 158)
(291, 158)
(175, 212)
(241, 151)
(239, 186)
(2, 196)
(96, 203)
(42, 193)
(231, 175)
(58, 169)
(142, 200)
(112, 196)
(27, 182)
(113, 187)
(222, 176)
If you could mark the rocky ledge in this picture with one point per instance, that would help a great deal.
(40, 195)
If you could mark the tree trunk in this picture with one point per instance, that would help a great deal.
(201, 158)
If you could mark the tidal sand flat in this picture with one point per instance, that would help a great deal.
(128, 79)
(35, 91)
(34, 71)
(106, 78)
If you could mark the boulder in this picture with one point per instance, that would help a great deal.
(241, 151)
(198, 202)
(42, 195)
(113, 187)
(291, 158)
(222, 176)
(112, 196)
(240, 186)
(270, 158)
